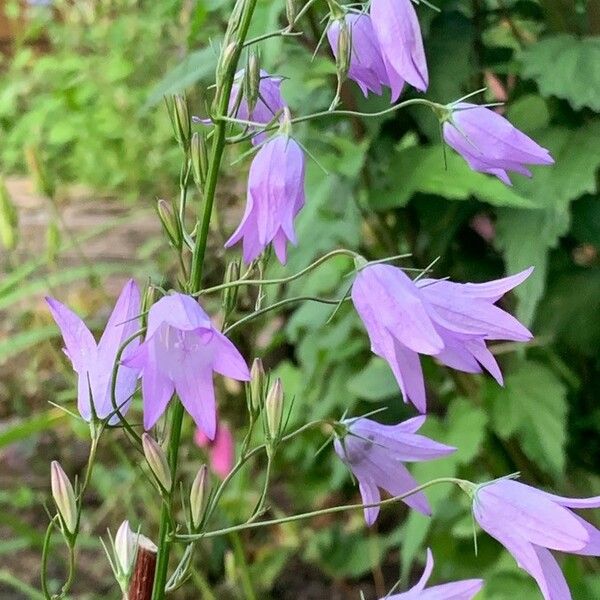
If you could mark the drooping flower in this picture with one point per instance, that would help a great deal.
(366, 65)
(398, 34)
(268, 104)
(181, 350)
(450, 321)
(274, 198)
(94, 362)
(221, 450)
(490, 144)
(375, 454)
(457, 590)
(529, 523)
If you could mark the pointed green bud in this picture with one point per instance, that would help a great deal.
(344, 50)
(228, 54)
(252, 80)
(258, 380)
(181, 120)
(274, 409)
(198, 496)
(199, 158)
(291, 10)
(169, 222)
(64, 497)
(230, 294)
(8, 218)
(157, 461)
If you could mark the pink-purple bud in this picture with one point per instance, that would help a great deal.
(274, 409)
(157, 462)
(199, 495)
(64, 497)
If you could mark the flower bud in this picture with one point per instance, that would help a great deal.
(344, 51)
(257, 385)
(291, 12)
(198, 495)
(157, 461)
(8, 218)
(274, 409)
(199, 158)
(169, 223)
(230, 294)
(252, 81)
(64, 497)
(227, 56)
(181, 120)
(125, 544)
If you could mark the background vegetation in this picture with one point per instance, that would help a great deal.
(81, 89)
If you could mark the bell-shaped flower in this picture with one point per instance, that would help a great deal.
(398, 34)
(366, 65)
(94, 362)
(274, 198)
(490, 144)
(450, 321)
(375, 454)
(268, 104)
(529, 523)
(181, 350)
(221, 450)
(457, 590)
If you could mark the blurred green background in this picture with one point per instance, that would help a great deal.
(85, 151)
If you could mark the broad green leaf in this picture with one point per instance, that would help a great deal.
(422, 169)
(375, 382)
(566, 67)
(532, 406)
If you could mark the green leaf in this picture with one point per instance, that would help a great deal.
(532, 406)
(422, 169)
(375, 382)
(566, 67)
(19, 430)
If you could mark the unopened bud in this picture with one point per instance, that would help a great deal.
(257, 384)
(230, 294)
(64, 497)
(344, 50)
(198, 495)
(8, 218)
(157, 461)
(274, 409)
(125, 544)
(199, 158)
(169, 223)
(227, 56)
(290, 12)
(252, 81)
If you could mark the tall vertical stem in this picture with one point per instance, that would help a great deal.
(235, 37)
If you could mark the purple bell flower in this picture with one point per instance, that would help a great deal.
(398, 33)
(490, 144)
(274, 198)
(450, 321)
(269, 103)
(529, 523)
(375, 454)
(94, 362)
(457, 590)
(366, 65)
(181, 350)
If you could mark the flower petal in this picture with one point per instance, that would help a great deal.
(196, 390)
(180, 312)
(227, 358)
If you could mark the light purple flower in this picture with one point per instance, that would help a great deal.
(529, 522)
(366, 65)
(375, 454)
(94, 362)
(451, 321)
(269, 103)
(490, 144)
(398, 33)
(274, 198)
(457, 590)
(181, 350)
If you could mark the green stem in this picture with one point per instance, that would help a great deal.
(242, 564)
(279, 304)
(44, 565)
(315, 513)
(281, 280)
